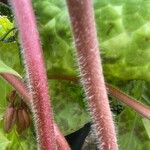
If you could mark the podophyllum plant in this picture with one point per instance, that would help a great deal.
(35, 93)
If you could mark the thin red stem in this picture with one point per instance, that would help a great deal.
(84, 31)
(113, 91)
(37, 78)
(120, 95)
(17, 83)
(129, 101)
(62, 143)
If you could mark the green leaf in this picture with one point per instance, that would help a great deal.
(132, 135)
(4, 142)
(5, 10)
(123, 31)
(5, 26)
(10, 55)
(146, 123)
(69, 108)
(123, 28)
(6, 69)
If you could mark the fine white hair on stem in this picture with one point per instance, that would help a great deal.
(36, 72)
(84, 31)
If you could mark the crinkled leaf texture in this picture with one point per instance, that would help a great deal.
(123, 31)
(123, 28)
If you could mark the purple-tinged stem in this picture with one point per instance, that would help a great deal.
(17, 83)
(84, 31)
(113, 91)
(20, 87)
(129, 101)
(61, 142)
(35, 68)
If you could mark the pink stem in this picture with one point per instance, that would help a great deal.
(84, 31)
(22, 90)
(113, 91)
(34, 62)
(137, 106)
(121, 96)
(17, 83)
(62, 143)
(129, 101)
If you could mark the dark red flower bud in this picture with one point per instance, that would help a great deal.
(26, 117)
(9, 118)
(23, 120)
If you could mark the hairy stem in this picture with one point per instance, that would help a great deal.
(35, 68)
(113, 91)
(129, 101)
(17, 84)
(20, 87)
(62, 143)
(84, 31)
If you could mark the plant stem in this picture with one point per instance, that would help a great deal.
(22, 90)
(117, 93)
(113, 91)
(17, 83)
(61, 142)
(84, 31)
(129, 101)
(36, 72)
